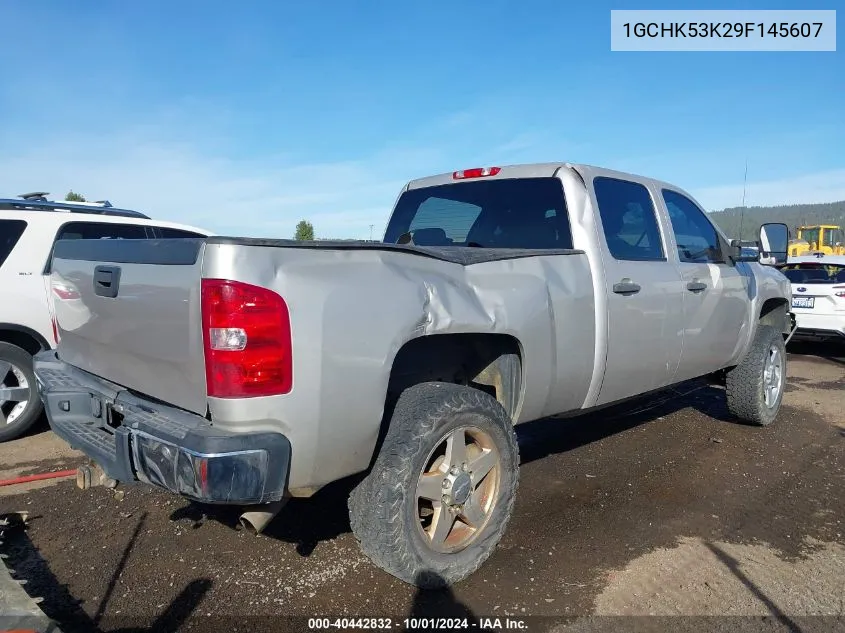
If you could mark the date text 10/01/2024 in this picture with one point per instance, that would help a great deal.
(484, 623)
(723, 29)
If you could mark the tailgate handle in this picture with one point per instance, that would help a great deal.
(106, 281)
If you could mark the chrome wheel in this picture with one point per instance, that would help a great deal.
(773, 376)
(457, 489)
(14, 393)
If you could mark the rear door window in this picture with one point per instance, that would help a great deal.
(527, 213)
(10, 233)
(628, 219)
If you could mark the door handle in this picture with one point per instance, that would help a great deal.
(106, 281)
(696, 286)
(626, 287)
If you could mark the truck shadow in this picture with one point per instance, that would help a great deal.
(303, 523)
(60, 606)
(832, 352)
(551, 436)
(306, 523)
(182, 612)
(439, 603)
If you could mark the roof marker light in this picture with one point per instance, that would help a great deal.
(476, 172)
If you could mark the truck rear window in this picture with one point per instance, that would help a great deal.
(506, 213)
(10, 233)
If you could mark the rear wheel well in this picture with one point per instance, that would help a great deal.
(489, 362)
(23, 338)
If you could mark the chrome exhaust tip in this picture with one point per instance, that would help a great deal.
(256, 518)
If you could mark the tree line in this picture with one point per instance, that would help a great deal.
(744, 224)
(736, 222)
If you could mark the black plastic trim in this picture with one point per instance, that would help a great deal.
(182, 252)
(816, 333)
(464, 255)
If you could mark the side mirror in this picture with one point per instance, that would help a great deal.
(745, 251)
(774, 243)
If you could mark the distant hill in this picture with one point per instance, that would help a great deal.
(793, 215)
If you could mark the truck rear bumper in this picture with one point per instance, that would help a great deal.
(138, 439)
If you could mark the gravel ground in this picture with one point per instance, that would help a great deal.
(663, 506)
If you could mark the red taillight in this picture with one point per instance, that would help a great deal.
(203, 475)
(247, 340)
(841, 291)
(55, 330)
(477, 172)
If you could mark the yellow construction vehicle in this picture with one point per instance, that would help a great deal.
(818, 238)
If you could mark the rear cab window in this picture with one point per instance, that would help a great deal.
(526, 213)
(10, 233)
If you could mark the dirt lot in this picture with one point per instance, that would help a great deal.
(661, 507)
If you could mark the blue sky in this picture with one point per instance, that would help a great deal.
(245, 119)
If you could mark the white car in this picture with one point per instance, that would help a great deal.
(818, 295)
(29, 226)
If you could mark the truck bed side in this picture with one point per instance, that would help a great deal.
(352, 309)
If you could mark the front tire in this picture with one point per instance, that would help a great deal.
(20, 405)
(442, 489)
(756, 386)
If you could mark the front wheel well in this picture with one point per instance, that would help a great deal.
(775, 313)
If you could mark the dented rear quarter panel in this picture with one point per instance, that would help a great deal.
(352, 310)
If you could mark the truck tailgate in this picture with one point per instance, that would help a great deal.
(129, 311)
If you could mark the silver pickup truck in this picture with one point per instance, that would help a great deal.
(247, 371)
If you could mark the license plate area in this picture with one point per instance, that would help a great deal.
(803, 302)
(106, 415)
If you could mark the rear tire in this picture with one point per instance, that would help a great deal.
(431, 511)
(20, 412)
(756, 386)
